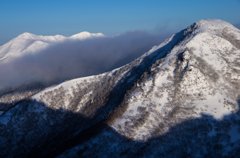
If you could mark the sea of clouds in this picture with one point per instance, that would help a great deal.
(70, 59)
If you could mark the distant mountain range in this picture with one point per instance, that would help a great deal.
(30, 43)
(180, 99)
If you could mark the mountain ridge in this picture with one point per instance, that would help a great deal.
(189, 82)
(28, 42)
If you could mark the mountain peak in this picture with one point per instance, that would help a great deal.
(211, 25)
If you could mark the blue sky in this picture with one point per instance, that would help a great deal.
(51, 17)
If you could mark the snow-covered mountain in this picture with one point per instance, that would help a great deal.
(180, 99)
(30, 43)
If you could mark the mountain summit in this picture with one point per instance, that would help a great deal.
(180, 99)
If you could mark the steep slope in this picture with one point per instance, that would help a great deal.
(180, 99)
(199, 76)
(197, 80)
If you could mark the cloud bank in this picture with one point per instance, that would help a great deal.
(77, 58)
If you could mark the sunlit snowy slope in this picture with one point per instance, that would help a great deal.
(180, 99)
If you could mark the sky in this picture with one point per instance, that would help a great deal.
(110, 17)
